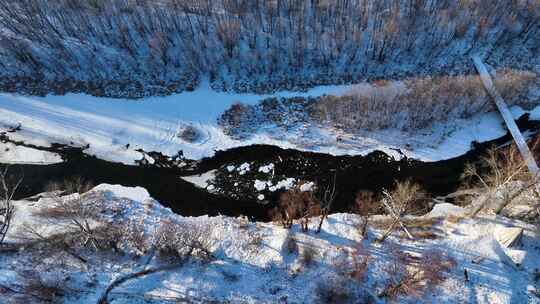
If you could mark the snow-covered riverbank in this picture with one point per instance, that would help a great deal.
(256, 263)
(114, 128)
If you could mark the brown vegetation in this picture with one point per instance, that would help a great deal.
(296, 204)
(190, 134)
(367, 203)
(406, 197)
(422, 102)
(412, 276)
(497, 173)
(76, 184)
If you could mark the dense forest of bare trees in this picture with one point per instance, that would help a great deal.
(139, 47)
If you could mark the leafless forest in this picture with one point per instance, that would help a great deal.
(134, 48)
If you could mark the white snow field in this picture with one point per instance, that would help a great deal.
(252, 262)
(115, 128)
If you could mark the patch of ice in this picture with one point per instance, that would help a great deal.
(260, 197)
(267, 169)
(285, 184)
(259, 185)
(231, 168)
(243, 169)
(201, 180)
(307, 187)
(445, 209)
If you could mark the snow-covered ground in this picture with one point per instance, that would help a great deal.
(254, 262)
(12, 153)
(115, 128)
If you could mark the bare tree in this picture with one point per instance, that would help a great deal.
(150, 41)
(496, 173)
(296, 204)
(398, 202)
(326, 200)
(367, 203)
(8, 187)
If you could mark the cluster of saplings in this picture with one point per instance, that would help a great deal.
(410, 105)
(86, 229)
(499, 179)
(137, 48)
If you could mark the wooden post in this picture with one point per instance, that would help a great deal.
(507, 116)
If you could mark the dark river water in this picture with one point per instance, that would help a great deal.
(374, 172)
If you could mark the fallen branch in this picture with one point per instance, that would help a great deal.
(103, 299)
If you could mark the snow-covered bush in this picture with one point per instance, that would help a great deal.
(307, 255)
(239, 121)
(410, 105)
(33, 288)
(406, 197)
(177, 241)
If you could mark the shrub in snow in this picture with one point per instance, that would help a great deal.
(296, 204)
(254, 239)
(407, 275)
(367, 203)
(176, 241)
(134, 238)
(291, 244)
(75, 184)
(333, 290)
(80, 221)
(406, 197)
(190, 134)
(33, 288)
(239, 121)
(307, 255)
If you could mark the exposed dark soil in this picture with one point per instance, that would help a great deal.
(374, 172)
